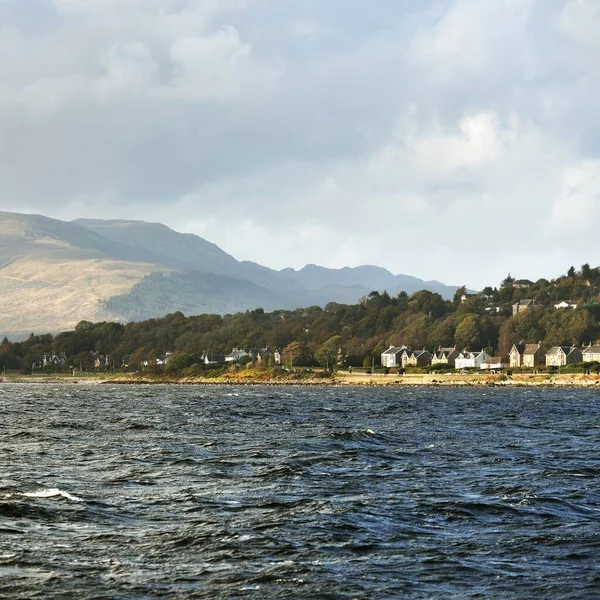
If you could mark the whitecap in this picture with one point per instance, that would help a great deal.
(52, 493)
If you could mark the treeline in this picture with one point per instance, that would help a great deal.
(353, 334)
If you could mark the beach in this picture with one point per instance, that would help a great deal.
(341, 378)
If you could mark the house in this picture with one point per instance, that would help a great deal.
(471, 360)
(527, 355)
(591, 353)
(418, 358)
(392, 357)
(534, 355)
(49, 359)
(444, 356)
(558, 356)
(522, 305)
(516, 355)
(405, 357)
(208, 358)
(163, 359)
(100, 360)
(520, 284)
(235, 355)
(495, 363)
(564, 304)
(495, 309)
(265, 355)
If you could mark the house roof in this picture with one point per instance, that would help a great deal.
(594, 349)
(524, 302)
(443, 352)
(498, 360)
(566, 349)
(393, 350)
(520, 348)
(469, 354)
(531, 348)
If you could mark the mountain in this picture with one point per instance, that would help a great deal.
(366, 277)
(54, 274)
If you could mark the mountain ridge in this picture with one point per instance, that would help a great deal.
(55, 272)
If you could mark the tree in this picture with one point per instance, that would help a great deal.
(460, 292)
(442, 333)
(475, 332)
(508, 281)
(327, 354)
(180, 361)
(429, 303)
(296, 354)
(571, 272)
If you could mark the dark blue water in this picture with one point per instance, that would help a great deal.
(193, 492)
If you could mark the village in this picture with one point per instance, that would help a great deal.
(528, 356)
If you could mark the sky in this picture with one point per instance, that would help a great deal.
(456, 140)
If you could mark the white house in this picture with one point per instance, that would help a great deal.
(564, 304)
(471, 360)
(591, 353)
(495, 363)
(392, 357)
(164, 359)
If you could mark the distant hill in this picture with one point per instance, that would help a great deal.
(54, 274)
(366, 277)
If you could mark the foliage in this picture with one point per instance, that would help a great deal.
(355, 334)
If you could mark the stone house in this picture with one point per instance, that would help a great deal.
(527, 355)
(444, 356)
(418, 358)
(520, 284)
(559, 356)
(522, 305)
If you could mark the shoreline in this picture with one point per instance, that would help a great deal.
(337, 380)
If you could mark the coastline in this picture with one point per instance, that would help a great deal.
(341, 379)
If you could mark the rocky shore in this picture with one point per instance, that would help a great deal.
(338, 379)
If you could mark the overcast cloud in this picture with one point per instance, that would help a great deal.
(453, 140)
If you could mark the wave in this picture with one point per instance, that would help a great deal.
(52, 493)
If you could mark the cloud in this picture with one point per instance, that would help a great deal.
(454, 140)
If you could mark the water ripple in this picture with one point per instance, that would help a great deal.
(172, 492)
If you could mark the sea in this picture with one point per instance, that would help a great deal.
(159, 491)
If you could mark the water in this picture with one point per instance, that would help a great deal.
(225, 492)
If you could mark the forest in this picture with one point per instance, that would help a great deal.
(351, 335)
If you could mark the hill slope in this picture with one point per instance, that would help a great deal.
(54, 274)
